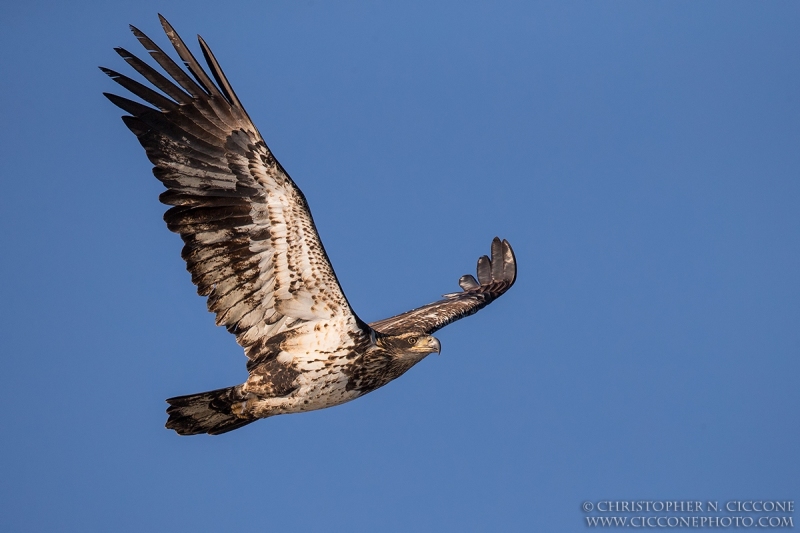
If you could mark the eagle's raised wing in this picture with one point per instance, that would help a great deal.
(495, 276)
(250, 242)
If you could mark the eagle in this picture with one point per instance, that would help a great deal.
(253, 251)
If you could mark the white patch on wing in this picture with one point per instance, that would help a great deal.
(299, 306)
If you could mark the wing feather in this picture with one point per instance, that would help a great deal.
(496, 276)
(188, 59)
(154, 77)
(169, 66)
(249, 239)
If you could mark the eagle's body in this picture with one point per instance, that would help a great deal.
(253, 251)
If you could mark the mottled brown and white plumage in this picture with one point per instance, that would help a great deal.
(253, 251)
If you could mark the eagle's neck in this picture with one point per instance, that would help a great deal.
(378, 366)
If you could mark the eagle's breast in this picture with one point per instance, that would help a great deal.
(311, 364)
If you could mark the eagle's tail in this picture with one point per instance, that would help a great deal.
(206, 412)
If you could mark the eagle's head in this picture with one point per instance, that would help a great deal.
(410, 345)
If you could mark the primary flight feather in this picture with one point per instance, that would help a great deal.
(253, 250)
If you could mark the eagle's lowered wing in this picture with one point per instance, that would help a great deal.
(250, 242)
(495, 276)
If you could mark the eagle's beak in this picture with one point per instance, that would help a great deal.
(435, 346)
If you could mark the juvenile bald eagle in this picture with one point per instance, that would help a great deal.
(253, 251)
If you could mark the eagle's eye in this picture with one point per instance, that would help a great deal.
(412, 340)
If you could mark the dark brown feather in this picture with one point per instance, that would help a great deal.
(496, 276)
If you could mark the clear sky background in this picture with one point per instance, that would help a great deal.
(641, 157)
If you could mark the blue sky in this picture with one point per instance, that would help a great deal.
(641, 157)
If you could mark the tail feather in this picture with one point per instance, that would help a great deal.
(205, 412)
